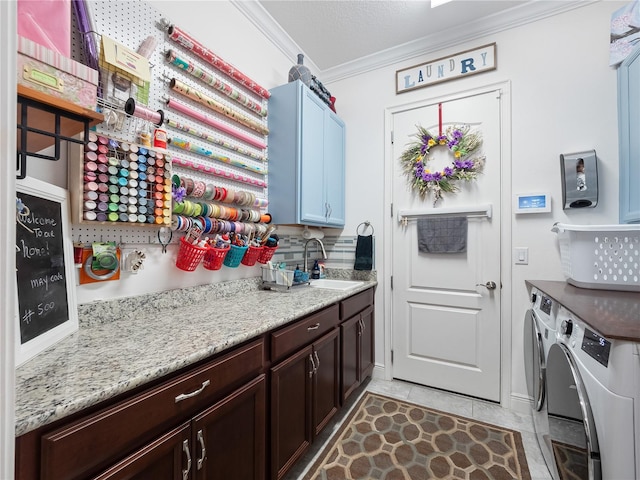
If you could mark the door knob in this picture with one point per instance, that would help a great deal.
(489, 285)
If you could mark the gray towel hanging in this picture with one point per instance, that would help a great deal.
(442, 235)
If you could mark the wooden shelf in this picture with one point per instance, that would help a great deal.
(44, 120)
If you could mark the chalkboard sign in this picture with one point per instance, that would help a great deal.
(46, 295)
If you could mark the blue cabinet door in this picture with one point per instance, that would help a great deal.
(629, 137)
(306, 159)
(334, 136)
(312, 162)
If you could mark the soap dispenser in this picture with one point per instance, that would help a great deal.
(315, 271)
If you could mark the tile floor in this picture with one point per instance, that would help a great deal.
(446, 402)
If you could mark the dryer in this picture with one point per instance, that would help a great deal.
(539, 335)
(593, 395)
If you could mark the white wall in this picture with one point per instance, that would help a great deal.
(563, 100)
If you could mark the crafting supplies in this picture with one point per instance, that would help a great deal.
(181, 37)
(182, 108)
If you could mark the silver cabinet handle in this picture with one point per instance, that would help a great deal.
(315, 353)
(204, 450)
(313, 327)
(489, 285)
(185, 448)
(184, 396)
(313, 366)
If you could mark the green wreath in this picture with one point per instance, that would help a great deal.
(461, 142)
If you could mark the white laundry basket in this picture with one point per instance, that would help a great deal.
(604, 257)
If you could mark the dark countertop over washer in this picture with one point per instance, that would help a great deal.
(614, 314)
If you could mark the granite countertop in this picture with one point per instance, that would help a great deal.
(614, 314)
(128, 342)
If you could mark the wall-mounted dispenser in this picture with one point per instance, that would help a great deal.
(579, 179)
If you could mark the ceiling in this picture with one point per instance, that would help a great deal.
(343, 37)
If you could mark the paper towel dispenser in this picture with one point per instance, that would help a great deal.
(579, 179)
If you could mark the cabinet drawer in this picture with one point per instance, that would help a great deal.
(303, 332)
(93, 443)
(352, 305)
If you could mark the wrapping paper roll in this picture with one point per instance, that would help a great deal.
(182, 108)
(186, 145)
(218, 141)
(207, 101)
(233, 93)
(182, 162)
(184, 39)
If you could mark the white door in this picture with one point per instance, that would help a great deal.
(445, 321)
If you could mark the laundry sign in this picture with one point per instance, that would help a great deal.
(463, 64)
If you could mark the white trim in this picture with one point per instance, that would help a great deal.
(266, 24)
(8, 100)
(504, 89)
(528, 12)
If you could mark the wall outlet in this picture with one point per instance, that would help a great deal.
(521, 255)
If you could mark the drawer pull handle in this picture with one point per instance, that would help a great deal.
(204, 450)
(184, 396)
(313, 327)
(315, 353)
(313, 366)
(185, 447)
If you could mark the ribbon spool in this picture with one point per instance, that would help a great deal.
(138, 111)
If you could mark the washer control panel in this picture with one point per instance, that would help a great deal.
(545, 304)
(596, 346)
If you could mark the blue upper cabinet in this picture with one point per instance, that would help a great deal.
(629, 137)
(306, 159)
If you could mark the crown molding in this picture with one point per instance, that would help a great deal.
(265, 23)
(530, 12)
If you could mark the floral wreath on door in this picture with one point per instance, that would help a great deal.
(461, 142)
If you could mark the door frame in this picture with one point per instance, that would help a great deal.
(505, 226)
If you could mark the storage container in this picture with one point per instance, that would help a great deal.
(603, 257)
(234, 257)
(189, 255)
(49, 72)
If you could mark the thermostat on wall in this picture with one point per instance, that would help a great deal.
(532, 203)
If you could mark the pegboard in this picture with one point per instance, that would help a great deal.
(130, 23)
(121, 235)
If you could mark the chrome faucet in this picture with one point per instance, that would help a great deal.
(306, 248)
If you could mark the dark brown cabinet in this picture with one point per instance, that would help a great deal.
(225, 441)
(304, 386)
(357, 341)
(247, 414)
(131, 436)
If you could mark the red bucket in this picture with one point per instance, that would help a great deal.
(189, 256)
(251, 256)
(266, 254)
(214, 257)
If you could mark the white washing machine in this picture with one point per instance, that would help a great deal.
(539, 335)
(592, 401)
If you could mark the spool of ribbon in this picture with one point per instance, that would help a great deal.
(138, 111)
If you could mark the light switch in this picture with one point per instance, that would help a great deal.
(521, 255)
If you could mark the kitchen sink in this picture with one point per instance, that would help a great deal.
(335, 284)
